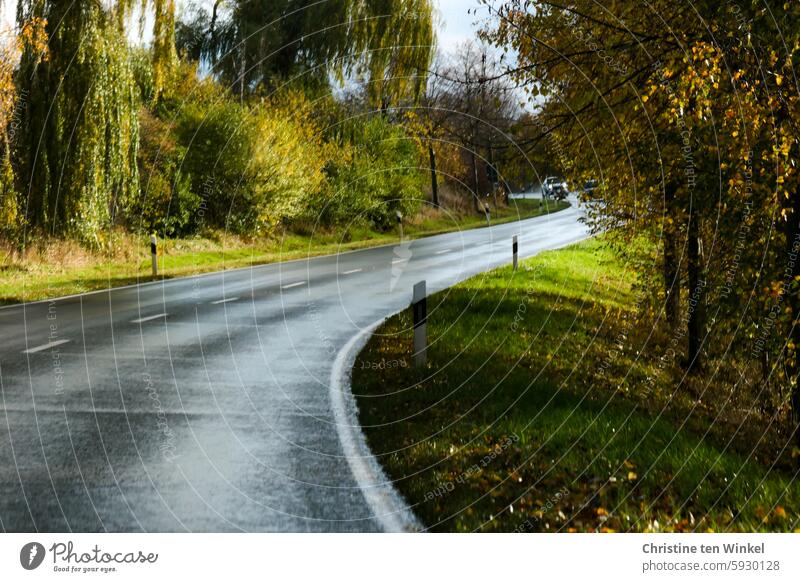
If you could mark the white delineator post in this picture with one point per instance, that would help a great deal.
(154, 254)
(515, 250)
(488, 213)
(400, 223)
(419, 306)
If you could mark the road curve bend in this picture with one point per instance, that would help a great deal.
(206, 403)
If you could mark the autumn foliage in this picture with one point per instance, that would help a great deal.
(687, 115)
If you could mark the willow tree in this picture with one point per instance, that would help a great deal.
(387, 43)
(76, 154)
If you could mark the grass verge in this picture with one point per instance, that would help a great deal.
(62, 268)
(530, 416)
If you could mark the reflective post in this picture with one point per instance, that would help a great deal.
(419, 307)
(154, 254)
(514, 250)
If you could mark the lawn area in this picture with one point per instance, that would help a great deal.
(63, 268)
(538, 411)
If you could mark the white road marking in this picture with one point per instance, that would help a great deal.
(151, 318)
(394, 262)
(45, 346)
(289, 286)
(350, 272)
(443, 251)
(224, 300)
(387, 505)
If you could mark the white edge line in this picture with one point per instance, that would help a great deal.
(293, 285)
(387, 505)
(45, 346)
(351, 271)
(224, 300)
(151, 318)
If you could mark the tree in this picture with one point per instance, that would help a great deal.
(472, 104)
(76, 155)
(263, 43)
(687, 114)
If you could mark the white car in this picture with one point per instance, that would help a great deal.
(555, 187)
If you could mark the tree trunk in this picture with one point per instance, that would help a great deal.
(434, 179)
(242, 69)
(476, 184)
(672, 284)
(213, 30)
(793, 361)
(491, 174)
(696, 292)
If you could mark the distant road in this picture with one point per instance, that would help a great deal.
(201, 404)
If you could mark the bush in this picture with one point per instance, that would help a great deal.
(9, 215)
(375, 174)
(249, 168)
(165, 203)
(254, 167)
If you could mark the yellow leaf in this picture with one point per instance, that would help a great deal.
(632, 476)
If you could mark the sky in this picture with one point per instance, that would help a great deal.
(456, 25)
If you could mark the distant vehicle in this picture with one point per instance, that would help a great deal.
(554, 187)
(589, 187)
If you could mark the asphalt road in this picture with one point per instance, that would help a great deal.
(201, 404)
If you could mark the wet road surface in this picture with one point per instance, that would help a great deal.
(201, 404)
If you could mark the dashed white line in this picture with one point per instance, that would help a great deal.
(45, 346)
(224, 300)
(151, 318)
(290, 285)
(394, 262)
(443, 251)
(351, 271)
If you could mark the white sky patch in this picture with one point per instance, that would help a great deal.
(9, 11)
(456, 25)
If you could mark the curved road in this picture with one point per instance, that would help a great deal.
(202, 404)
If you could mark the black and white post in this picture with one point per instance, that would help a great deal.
(487, 212)
(400, 223)
(154, 254)
(515, 250)
(419, 306)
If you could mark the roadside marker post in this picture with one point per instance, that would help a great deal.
(488, 213)
(400, 223)
(419, 307)
(515, 250)
(154, 254)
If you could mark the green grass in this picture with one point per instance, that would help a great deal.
(53, 274)
(527, 418)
